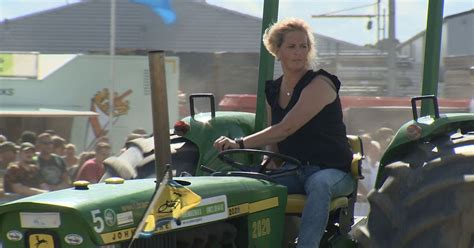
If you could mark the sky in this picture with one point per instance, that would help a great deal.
(410, 14)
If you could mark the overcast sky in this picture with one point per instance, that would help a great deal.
(410, 14)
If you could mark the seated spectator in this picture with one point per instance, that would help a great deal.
(23, 177)
(52, 167)
(93, 169)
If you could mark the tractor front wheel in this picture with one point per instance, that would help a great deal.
(428, 204)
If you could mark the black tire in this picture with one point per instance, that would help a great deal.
(429, 204)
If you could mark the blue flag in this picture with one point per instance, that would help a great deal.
(162, 8)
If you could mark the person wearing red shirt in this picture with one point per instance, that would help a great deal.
(93, 169)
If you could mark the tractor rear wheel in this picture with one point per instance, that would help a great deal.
(427, 204)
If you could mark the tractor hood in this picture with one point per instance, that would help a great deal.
(108, 213)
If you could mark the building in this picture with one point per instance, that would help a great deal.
(457, 55)
(205, 37)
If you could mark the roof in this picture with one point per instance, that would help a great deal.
(459, 14)
(445, 19)
(84, 27)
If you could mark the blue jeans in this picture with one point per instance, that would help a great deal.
(320, 186)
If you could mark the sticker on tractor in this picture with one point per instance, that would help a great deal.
(125, 218)
(40, 220)
(41, 241)
(261, 228)
(14, 235)
(110, 217)
(73, 239)
(239, 210)
(117, 236)
(210, 209)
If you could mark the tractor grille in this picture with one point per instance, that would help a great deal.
(159, 241)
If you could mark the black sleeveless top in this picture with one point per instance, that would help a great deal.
(322, 141)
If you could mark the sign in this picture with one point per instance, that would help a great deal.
(22, 65)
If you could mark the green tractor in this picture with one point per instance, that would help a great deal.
(240, 204)
(417, 202)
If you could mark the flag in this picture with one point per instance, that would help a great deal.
(169, 202)
(162, 8)
(173, 203)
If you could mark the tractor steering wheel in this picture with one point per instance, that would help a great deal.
(291, 164)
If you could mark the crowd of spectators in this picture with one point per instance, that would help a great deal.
(38, 163)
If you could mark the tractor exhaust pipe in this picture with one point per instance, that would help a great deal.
(159, 109)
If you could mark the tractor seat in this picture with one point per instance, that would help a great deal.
(295, 202)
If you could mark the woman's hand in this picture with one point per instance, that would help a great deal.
(270, 164)
(223, 143)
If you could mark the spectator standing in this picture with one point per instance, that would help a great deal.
(27, 136)
(23, 177)
(59, 145)
(370, 164)
(8, 154)
(384, 136)
(52, 167)
(71, 160)
(93, 169)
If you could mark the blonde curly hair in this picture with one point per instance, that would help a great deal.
(275, 33)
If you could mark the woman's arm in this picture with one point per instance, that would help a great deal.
(273, 146)
(319, 93)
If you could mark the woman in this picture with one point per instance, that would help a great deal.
(305, 117)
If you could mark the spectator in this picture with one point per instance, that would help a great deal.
(52, 167)
(370, 164)
(59, 145)
(2, 138)
(70, 155)
(71, 160)
(93, 169)
(23, 177)
(8, 154)
(50, 132)
(83, 157)
(384, 136)
(27, 136)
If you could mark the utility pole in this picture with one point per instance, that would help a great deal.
(392, 53)
(378, 21)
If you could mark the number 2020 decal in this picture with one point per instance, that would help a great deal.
(261, 228)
